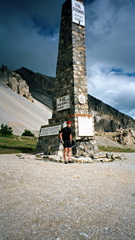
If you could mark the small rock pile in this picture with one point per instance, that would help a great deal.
(125, 136)
(97, 157)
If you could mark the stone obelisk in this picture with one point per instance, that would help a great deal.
(71, 96)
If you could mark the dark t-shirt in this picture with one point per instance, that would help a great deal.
(66, 133)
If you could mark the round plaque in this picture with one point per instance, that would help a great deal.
(82, 99)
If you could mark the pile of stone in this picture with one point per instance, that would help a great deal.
(125, 136)
(97, 157)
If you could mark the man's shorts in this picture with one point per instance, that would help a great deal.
(67, 144)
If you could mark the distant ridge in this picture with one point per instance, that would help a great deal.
(106, 118)
(21, 113)
(41, 86)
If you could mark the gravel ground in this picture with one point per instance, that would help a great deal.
(46, 200)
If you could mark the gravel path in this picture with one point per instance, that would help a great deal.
(53, 201)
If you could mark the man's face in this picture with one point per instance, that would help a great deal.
(69, 125)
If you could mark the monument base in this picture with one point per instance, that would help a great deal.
(51, 145)
(98, 157)
(84, 142)
(85, 147)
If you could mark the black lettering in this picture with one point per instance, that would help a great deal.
(77, 5)
(78, 11)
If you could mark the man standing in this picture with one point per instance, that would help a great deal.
(66, 139)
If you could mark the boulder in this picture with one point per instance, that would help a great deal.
(125, 136)
(15, 82)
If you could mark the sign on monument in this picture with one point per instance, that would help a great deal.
(49, 131)
(78, 15)
(63, 103)
(85, 127)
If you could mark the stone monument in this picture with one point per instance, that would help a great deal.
(71, 96)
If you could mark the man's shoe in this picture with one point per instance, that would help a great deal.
(70, 161)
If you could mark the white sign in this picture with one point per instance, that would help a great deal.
(48, 131)
(63, 103)
(82, 99)
(85, 126)
(78, 14)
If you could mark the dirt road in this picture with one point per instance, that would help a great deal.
(45, 200)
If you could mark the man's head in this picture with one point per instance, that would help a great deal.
(69, 123)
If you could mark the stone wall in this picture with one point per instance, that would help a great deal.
(49, 145)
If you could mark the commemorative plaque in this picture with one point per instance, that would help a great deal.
(48, 131)
(85, 127)
(63, 103)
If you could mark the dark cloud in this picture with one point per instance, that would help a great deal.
(29, 32)
(112, 34)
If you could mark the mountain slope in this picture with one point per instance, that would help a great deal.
(19, 113)
(41, 86)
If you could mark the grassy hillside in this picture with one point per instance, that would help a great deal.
(16, 144)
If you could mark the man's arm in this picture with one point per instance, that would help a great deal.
(61, 139)
(70, 137)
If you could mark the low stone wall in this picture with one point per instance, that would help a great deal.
(99, 157)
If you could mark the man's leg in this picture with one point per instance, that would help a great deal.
(69, 154)
(65, 153)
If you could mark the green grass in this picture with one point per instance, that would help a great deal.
(115, 149)
(16, 144)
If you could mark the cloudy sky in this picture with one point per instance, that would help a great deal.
(29, 33)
